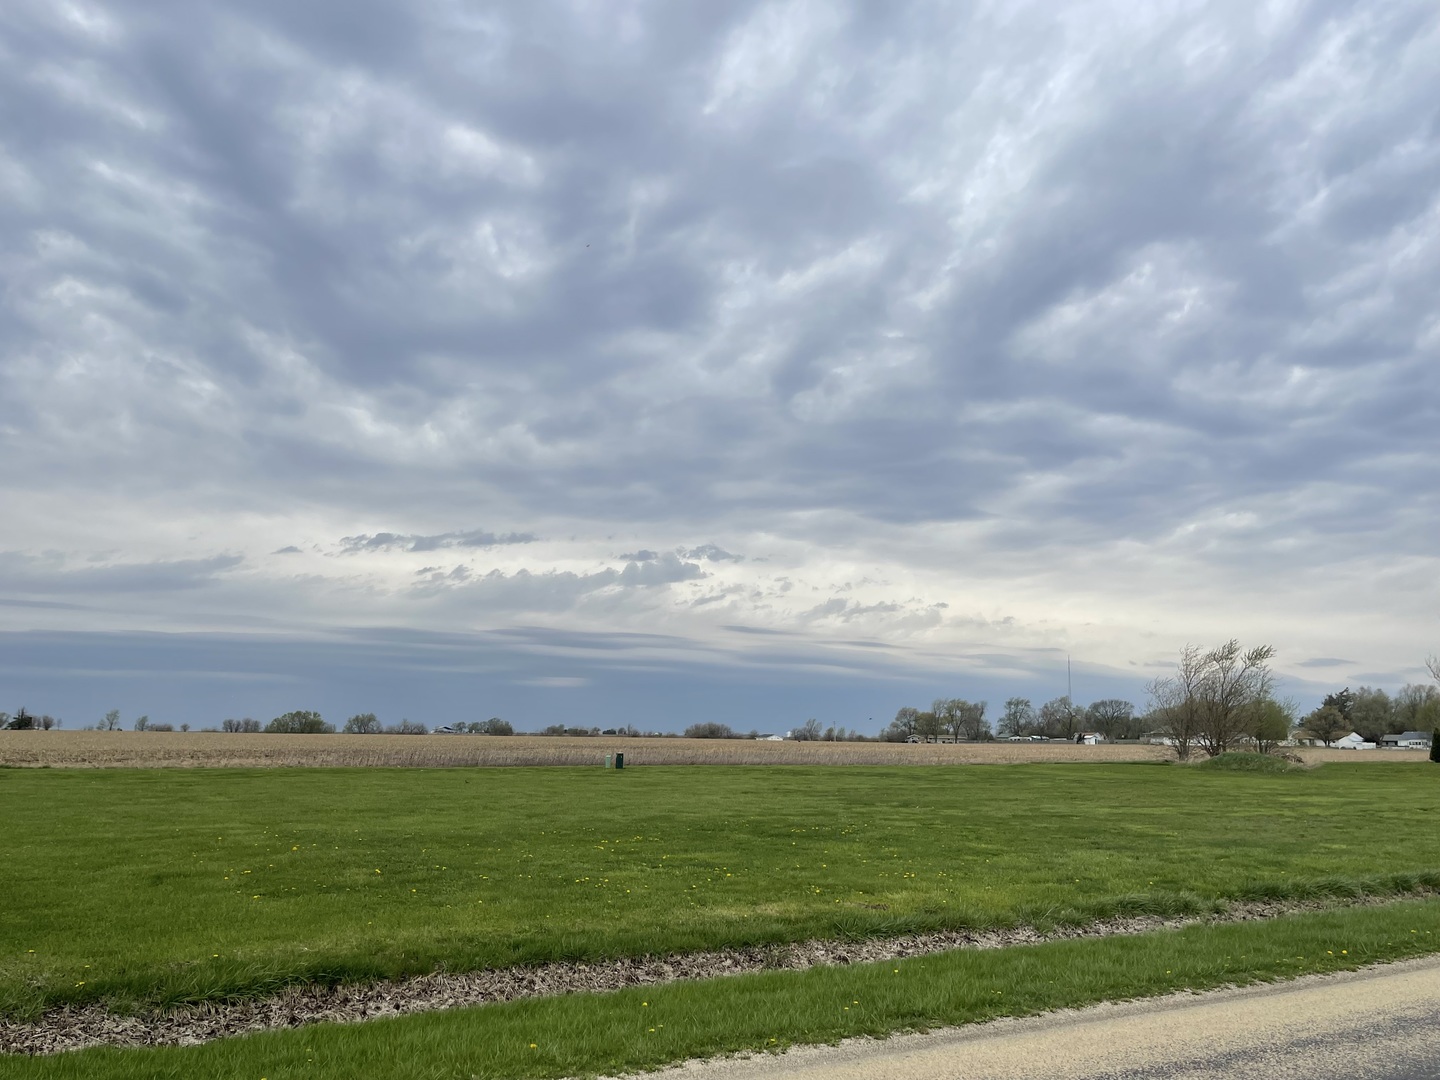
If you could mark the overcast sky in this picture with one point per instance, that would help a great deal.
(742, 361)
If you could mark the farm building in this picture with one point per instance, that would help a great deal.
(1407, 740)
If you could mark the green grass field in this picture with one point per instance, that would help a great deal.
(170, 885)
(637, 1029)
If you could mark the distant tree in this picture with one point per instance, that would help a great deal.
(159, 727)
(405, 727)
(141, 723)
(111, 721)
(4, 720)
(927, 726)
(1111, 717)
(1416, 707)
(300, 722)
(1435, 745)
(1175, 701)
(1212, 698)
(184, 727)
(362, 724)
(47, 722)
(1018, 718)
(948, 717)
(1327, 723)
(973, 724)
(1372, 714)
(496, 726)
(1235, 682)
(1272, 724)
(709, 730)
(246, 725)
(1343, 703)
(21, 721)
(809, 731)
(903, 726)
(1058, 717)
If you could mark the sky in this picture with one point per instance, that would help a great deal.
(655, 362)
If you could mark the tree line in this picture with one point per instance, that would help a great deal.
(1059, 718)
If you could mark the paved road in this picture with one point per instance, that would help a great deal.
(1379, 1024)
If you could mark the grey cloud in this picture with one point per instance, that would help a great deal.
(290, 549)
(827, 275)
(1323, 662)
(404, 542)
(712, 553)
(28, 574)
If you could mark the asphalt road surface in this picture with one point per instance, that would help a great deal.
(1382, 1023)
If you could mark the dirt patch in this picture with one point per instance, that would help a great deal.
(74, 1028)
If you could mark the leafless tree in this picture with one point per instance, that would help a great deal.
(1234, 683)
(1175, 700)
(1058, 717)
(949, 716)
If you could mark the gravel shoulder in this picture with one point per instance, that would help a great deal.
(73, 1028)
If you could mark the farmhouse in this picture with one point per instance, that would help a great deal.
(1407, 740)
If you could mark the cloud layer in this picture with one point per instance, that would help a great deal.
(962, 334)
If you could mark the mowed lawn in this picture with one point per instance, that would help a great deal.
(168, 885)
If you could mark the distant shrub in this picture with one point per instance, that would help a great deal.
(362, 724)
(1245, 761)
(300, 722)
(159, 727)
(710, 730)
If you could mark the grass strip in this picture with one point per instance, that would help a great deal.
(637, 1029)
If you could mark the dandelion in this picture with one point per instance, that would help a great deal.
(532, 1047)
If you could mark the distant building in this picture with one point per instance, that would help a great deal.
(1407, 740)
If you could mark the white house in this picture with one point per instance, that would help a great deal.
(1407, 740)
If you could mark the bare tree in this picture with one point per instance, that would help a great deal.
(1058, 716)
(1112, 717)
(1019, 717)
(111, 721)
(1175, 700)
(1433, 664)
(902, 727)
(1234, 684)
(949, 716)
(972, 720)
(362, 724)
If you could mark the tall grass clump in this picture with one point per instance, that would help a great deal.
(1250, 762)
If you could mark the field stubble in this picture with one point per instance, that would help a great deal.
(143, 749)
(208, 749)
